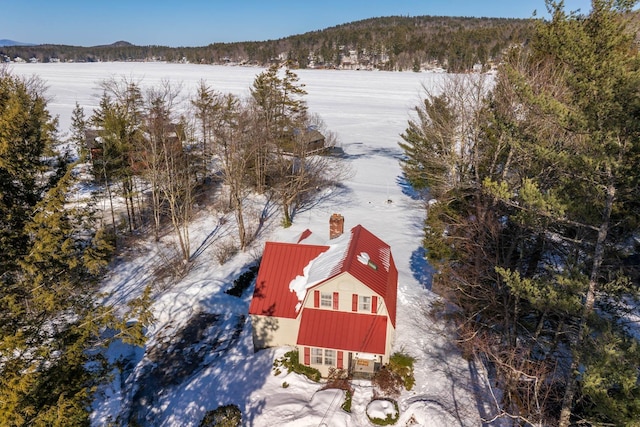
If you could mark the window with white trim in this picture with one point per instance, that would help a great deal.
(364, 303)
(316, 356)
(326, 299)
(321, 356)
(330, 357)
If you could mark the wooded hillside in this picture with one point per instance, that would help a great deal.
(387, 43)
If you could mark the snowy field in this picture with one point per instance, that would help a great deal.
(368, 111)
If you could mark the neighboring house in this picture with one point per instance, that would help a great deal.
(314, 140)
(93, 144)
(167, 139)
(336, 303)
(303, 142)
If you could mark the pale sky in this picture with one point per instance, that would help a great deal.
(201, 22)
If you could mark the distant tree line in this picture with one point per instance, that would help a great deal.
(388, 43)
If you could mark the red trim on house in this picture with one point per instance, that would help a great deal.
(336, 301)
(374, 304)
(343, 330)
(307, 356)
(354, 302)
(340, 360)
(383, 279)
(316, 299)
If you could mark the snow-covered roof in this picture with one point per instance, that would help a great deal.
(325, 265)
(307, 237)
(281, 263)
(289, 270)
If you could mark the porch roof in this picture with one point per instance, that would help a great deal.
(341, 330)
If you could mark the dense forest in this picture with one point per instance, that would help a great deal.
(533, 220)
(387, 43)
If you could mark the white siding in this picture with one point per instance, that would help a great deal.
(346, 285)
(274, 331)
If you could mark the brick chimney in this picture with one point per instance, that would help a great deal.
(336, 226)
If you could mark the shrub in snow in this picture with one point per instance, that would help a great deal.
(224, 416)
(383, 412)
(398, 373)
(338, 378)
(386, 383)
(243, 282)
(290, 361)
(225, 250)
(402, 365)
(346, 406)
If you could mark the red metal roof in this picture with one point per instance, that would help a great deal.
(306, 233)
(383, 278)
(281, 263)
(340, 330)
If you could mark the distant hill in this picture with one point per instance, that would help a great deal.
(6, 42)
(120, 43)
(386, 43)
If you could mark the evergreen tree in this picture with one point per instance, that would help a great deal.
(281, 112)
(429, 145)
(598, 62)
(282, 116)
(206, 104)
(49, 323)
(119, 123)
(529, 243)
(26, 136)
(78, 132)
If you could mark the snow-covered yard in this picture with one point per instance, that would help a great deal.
(200, 354)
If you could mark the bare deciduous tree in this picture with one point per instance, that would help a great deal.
(235, 146)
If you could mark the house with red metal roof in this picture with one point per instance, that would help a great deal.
(334, 302)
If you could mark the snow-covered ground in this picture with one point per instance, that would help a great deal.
(178, 382)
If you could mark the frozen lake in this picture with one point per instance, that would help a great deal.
(353, 103)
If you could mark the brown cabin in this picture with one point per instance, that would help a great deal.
(314, 140)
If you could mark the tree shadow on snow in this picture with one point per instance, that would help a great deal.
(327, 195)
(409, 190)
(195, 356)
(420, 267)
(456, 390)
(206, 364)
(217, 232)
(230, 378)
(266, 219)
(360, 150)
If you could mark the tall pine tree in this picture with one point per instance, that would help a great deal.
(26, 136)
(533, 250)
(50, 322)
